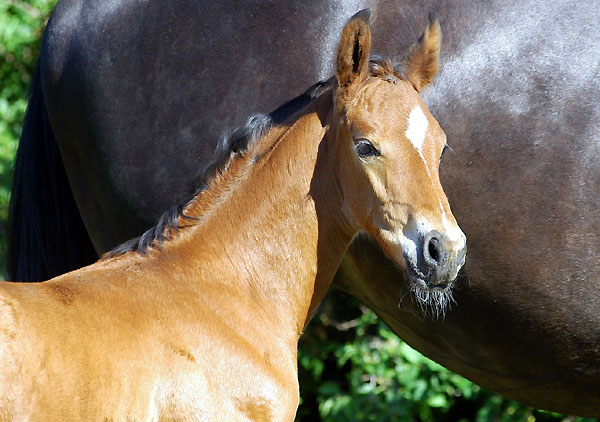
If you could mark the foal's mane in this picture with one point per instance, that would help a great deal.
(235, 149)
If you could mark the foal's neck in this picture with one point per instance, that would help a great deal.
(280, 234)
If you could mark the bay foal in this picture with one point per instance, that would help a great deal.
(199, 318)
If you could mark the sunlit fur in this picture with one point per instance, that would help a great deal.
(199, 319)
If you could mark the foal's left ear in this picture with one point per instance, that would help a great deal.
(422, 60)
(352, 63)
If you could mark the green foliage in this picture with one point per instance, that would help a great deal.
(358, 370)
(21, 26)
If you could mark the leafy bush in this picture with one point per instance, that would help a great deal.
(358, 370)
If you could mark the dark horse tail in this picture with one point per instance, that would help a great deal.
(46, 236)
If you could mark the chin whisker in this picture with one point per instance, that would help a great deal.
(402, 298)
(433, 303)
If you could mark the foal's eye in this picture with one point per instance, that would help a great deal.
(365, 149)
(446, 148)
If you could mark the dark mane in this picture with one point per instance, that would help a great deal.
(240, 140)
(235, 144)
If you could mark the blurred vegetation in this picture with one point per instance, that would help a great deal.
(352, 368)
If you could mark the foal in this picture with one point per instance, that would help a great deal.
(199, 319)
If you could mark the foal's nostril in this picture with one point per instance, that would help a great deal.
(433, 248)
(433, 252)
(439, 262)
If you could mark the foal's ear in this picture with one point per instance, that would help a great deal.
(422, 59)
(352, 62)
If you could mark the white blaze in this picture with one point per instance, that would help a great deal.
(415, 133)
(417, 128)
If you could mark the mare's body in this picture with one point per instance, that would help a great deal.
(132, 88)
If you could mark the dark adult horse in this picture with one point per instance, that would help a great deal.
(125, 86)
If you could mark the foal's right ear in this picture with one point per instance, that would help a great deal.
(352, 63)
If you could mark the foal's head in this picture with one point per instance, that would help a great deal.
(389, 147)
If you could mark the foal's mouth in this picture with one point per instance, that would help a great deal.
(423, 281)
(434, 299)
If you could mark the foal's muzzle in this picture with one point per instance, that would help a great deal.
(439, 260)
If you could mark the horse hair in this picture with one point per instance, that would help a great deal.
(44, 221)
(241, 139)
(231, 145)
